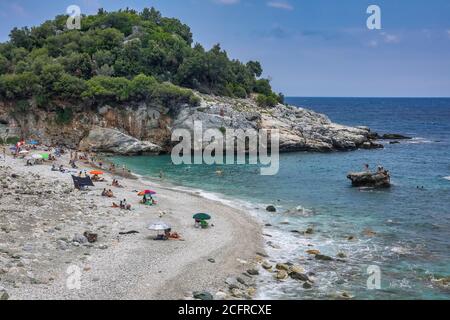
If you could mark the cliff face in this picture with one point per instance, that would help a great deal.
(131, 129)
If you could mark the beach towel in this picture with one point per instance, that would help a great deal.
(81, 183)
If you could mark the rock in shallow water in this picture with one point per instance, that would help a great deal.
(203, 295)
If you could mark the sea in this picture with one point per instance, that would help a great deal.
(386, 244)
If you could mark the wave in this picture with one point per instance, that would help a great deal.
(419, 140)
(447, 178)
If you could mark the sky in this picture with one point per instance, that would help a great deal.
(307, 47)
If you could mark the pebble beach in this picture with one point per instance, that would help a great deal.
(44, 255)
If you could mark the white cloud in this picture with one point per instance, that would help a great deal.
(280, 5)
(390, 38)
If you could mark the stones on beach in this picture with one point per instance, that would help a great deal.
(3, 294)
(237, 293)
(62, 245)
(271, 208)
(212, 260)
(79, 239)
(281, 275)
(220, 295)
(266, 265)
(313, 252)
(253, 272)
(282, 266)
(204, 295)
(262, 254)
(91, 237)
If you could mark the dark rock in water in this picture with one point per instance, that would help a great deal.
(371, 145)
(323, 257)
(203, 295)
(381, 179)
(394, 142)
(309, 231)
(262, 254)
(394, 136)
(253, 272)
(299, 276)
(307, 285)
(271, 209)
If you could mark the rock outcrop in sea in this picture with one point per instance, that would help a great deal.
(143, 127)
(381, 179)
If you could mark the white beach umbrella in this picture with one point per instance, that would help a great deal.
(159, 226)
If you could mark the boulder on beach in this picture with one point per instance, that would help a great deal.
(271, 208)
(113, 141)
(380, 179)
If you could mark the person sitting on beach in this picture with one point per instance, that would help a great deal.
(104, 193)
(116, 184)
(29, 163)
(124, 205)
(109, 194)
(96, 178)
(54, 168)
(61, 169)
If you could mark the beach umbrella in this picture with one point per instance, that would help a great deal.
(145, 192)
(202, 216)
(159, 226)
(37, 156)
(96, 172)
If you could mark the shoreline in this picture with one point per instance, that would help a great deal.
(128, 266)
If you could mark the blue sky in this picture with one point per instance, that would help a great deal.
(307, 47)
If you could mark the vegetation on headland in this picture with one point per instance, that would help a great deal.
(120, 57)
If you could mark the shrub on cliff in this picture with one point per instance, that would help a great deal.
(141, 88)
(268, 101)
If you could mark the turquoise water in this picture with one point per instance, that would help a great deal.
(412, 226)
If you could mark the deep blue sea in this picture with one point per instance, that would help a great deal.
(411, 245)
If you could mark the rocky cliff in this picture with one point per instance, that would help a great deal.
(142, 128)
